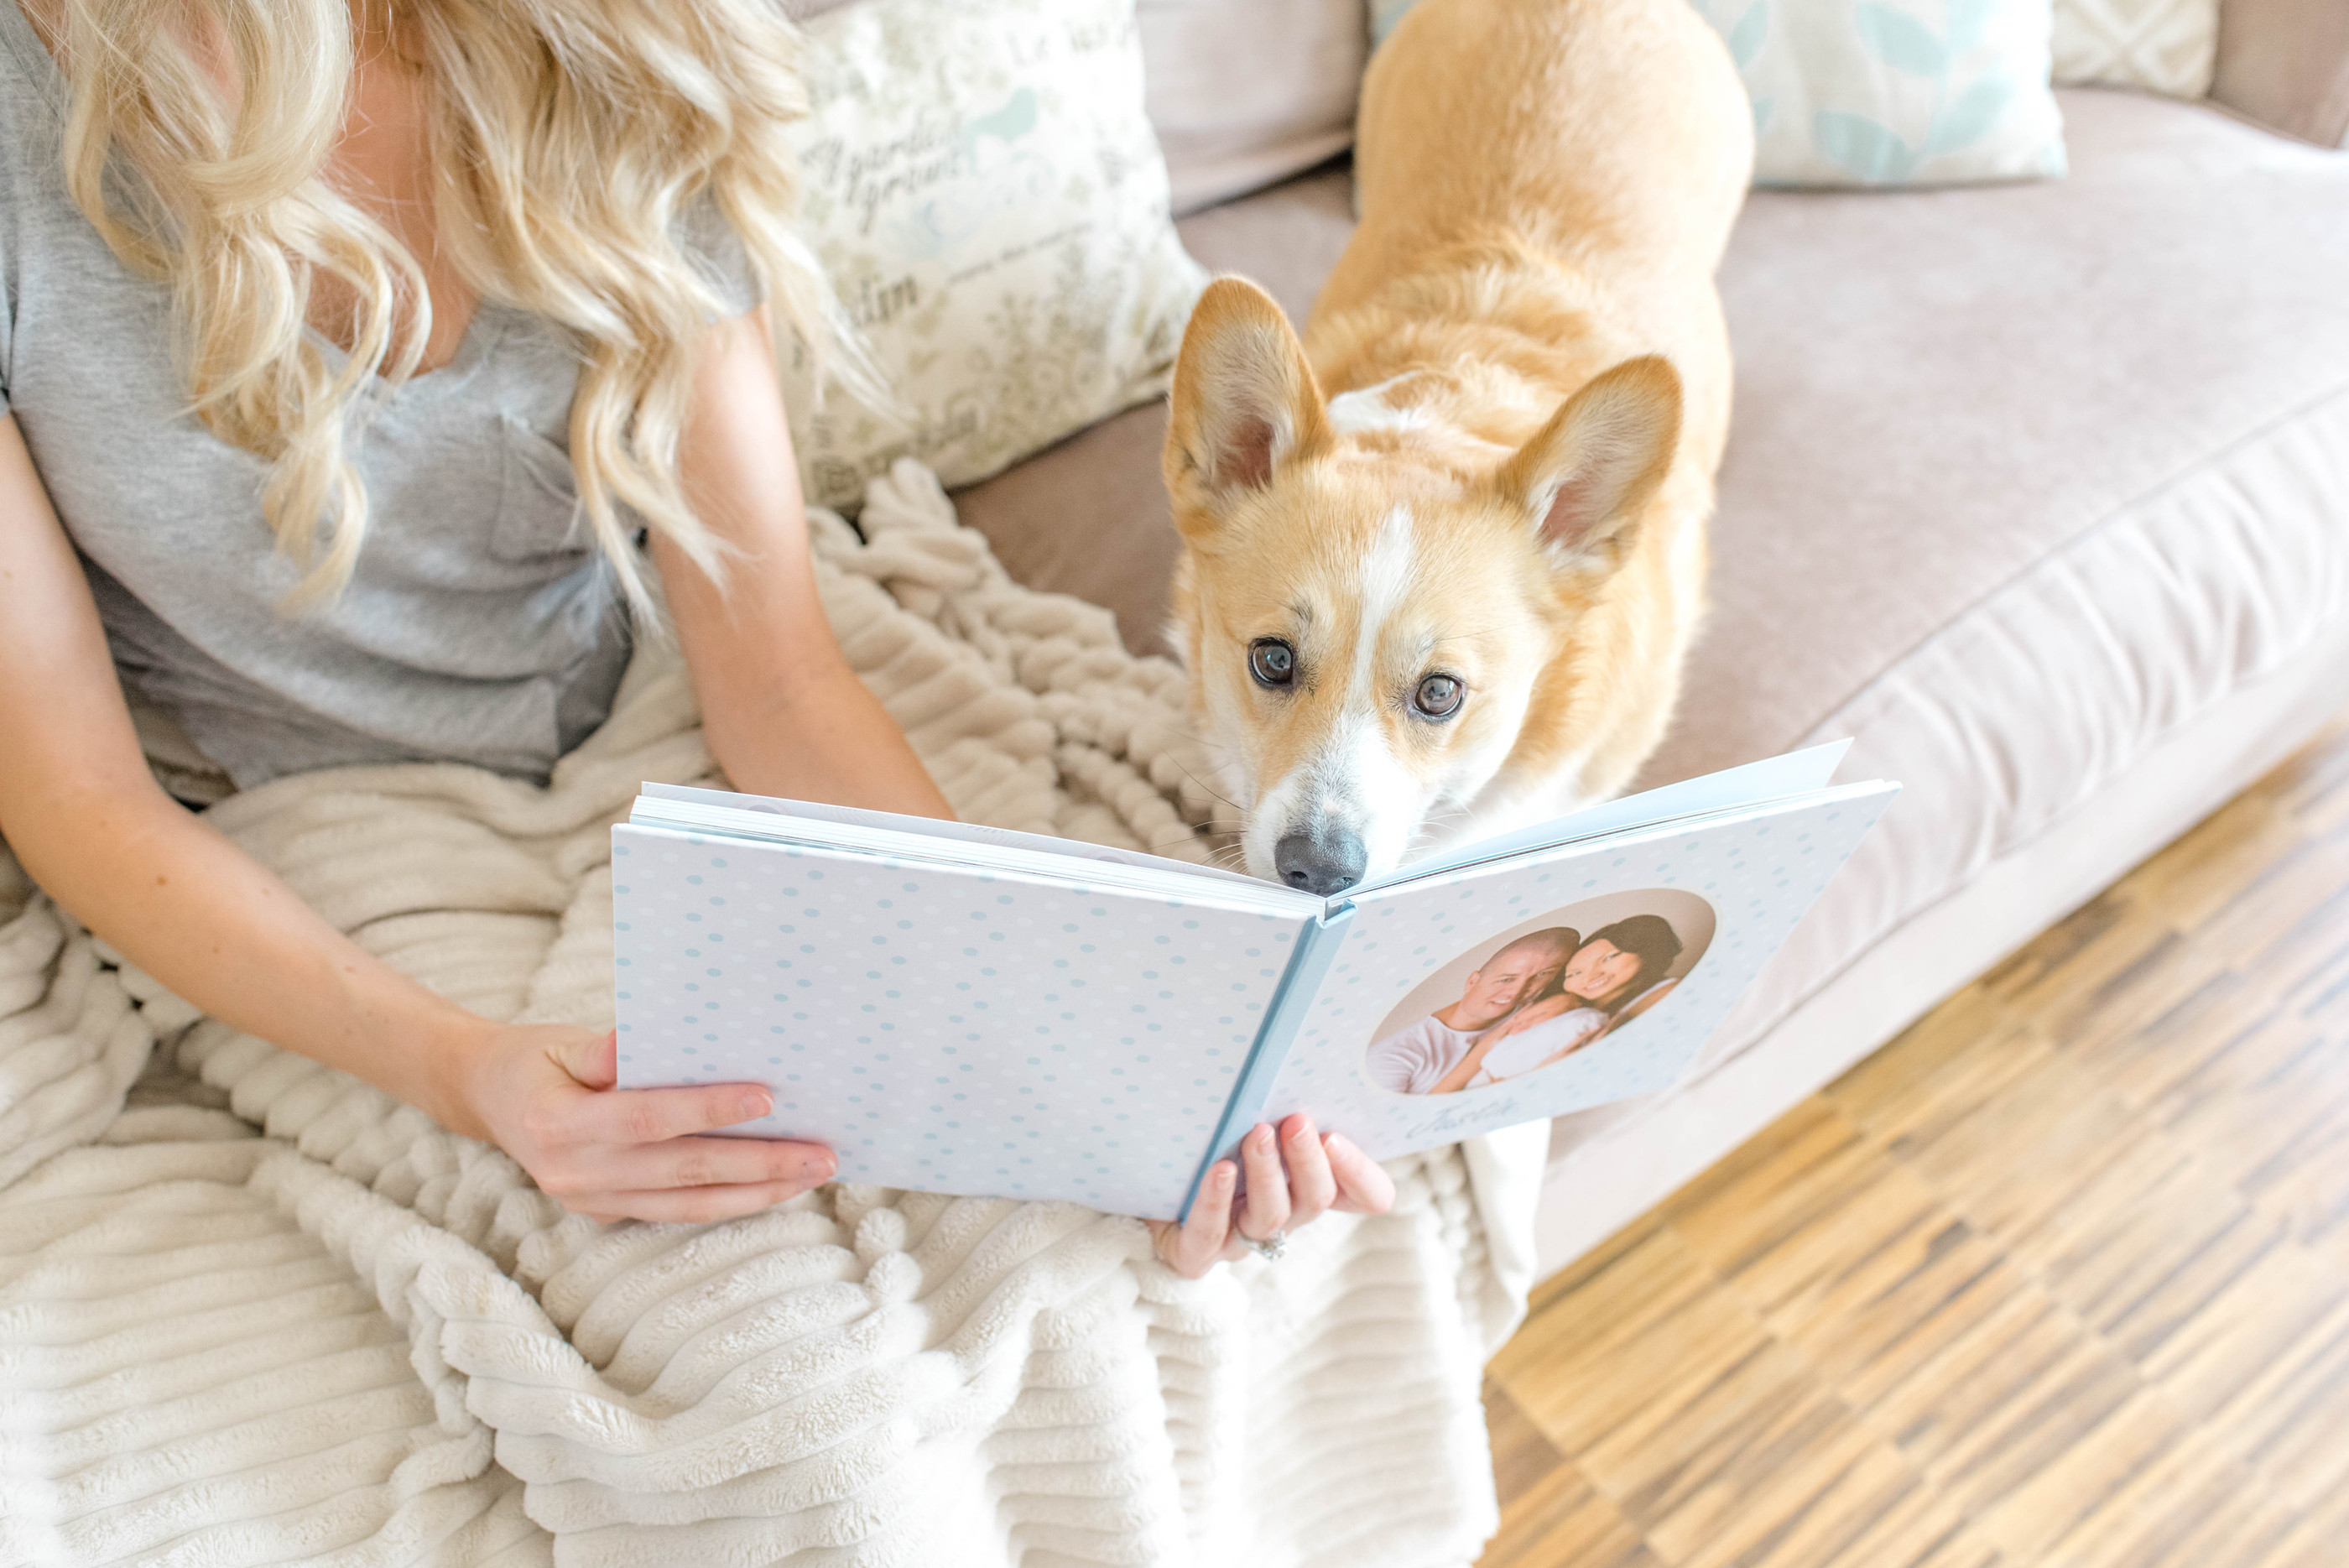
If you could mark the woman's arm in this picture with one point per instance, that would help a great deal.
(88, 822)
(785, 715)
(1533, 1012)
(782, 711)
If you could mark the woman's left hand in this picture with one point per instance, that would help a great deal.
(1294, 1174)
(1533, 1012)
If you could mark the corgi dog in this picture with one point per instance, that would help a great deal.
(1442, 558)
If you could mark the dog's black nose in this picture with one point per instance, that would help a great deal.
(1320, 864)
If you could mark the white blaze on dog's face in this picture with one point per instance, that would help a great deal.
(1368, 616)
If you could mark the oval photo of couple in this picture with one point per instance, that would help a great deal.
(1529, 997)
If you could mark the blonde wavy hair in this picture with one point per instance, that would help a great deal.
(569, 141)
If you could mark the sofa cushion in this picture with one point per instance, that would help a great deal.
(1244, 93)
(2057, 471)
(1937, 391)
(2285, 63)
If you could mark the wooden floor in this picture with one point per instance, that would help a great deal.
(2059, 1277)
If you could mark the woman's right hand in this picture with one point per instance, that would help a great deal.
(543, 1093)
(1526, 1017)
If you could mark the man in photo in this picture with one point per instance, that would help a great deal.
(1413, 1060)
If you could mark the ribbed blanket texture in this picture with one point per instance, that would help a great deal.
(255, 1310)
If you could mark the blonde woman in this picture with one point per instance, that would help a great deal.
(321, 323)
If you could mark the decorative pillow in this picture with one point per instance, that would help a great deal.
(1885, 92)
(1384, 14)
(1895, 92)
(982, 185)
(2160, 46)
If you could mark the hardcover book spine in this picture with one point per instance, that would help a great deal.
(1317, 948)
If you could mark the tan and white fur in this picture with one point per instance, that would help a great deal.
(1489, 462)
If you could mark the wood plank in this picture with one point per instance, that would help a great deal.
(2193, 1505)
(1561, 1520)
(2060, 1277)
(1522, 1456)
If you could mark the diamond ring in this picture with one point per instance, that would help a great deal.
(1272, 1248)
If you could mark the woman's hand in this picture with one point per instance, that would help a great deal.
(1569, 1048)
(1294, 1176)
(544, 1093)
(1526, 1017)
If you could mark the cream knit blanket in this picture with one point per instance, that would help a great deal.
(253, 1311)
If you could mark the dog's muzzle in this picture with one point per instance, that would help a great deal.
(1323, 862)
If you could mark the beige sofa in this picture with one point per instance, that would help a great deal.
(2040, 492)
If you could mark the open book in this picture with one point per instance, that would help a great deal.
(960, 1009)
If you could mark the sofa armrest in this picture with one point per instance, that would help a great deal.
(2285, 64)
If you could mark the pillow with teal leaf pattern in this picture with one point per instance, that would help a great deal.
(1886, 92)
(1895, 92)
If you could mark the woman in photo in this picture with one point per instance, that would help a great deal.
(323, 325)
(1611, 978)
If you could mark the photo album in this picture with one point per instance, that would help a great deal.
(970, 1010)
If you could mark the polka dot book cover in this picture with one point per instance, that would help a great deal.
(970, 1010)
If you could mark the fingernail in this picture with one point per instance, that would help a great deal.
(1304, 1133)
(1226, 1173)
(818, 1167)
(1261, 1138)
(755, 1105)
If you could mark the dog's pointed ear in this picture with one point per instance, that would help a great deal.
(1601, 455)
(1244, 404)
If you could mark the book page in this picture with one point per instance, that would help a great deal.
(943, 1029)
(1506, 992)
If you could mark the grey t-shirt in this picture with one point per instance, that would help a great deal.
(481, 625)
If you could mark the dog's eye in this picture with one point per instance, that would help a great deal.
(1438, 696)
(1272, 661)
